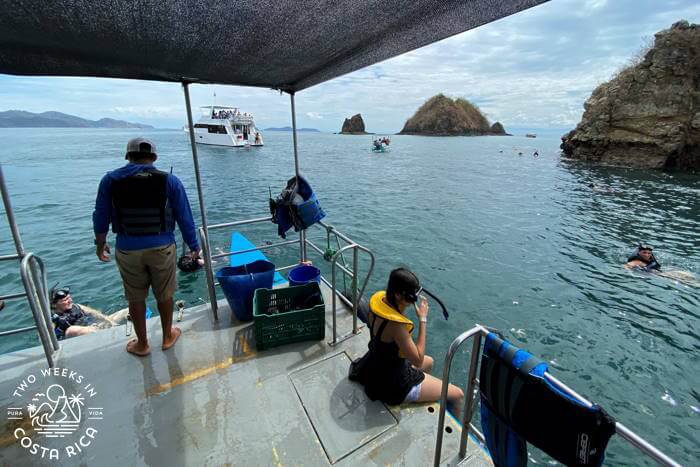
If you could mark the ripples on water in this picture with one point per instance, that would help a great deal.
(520, 243)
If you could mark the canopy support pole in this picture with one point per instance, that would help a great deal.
(205, 238)
(302, 234)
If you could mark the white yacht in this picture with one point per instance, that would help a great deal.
(226, 126)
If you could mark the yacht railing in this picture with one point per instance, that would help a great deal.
(35, 285)
(471, 395)
(303, 242)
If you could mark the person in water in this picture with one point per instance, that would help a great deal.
(143, 205)
(395, 368)
(643, 259)
(71, 320)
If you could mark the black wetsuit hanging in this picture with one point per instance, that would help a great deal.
(519, 405)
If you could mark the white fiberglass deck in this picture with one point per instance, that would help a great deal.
(214, 400)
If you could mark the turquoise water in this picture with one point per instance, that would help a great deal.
(519, 243)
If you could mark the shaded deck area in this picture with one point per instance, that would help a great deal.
(213, 399)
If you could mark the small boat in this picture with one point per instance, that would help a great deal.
(226, 126)
(530, 135)
(381, 144)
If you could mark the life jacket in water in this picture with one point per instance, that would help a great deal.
(296, 206)
(519, 406)
(650, 265)
(73, 317)
(141, 204)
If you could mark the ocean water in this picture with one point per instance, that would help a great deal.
(516, 242)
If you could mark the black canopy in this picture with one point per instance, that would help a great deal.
(283, 44)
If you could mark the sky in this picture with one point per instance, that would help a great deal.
(534, 69)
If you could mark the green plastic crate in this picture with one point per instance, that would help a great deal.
(285, 315)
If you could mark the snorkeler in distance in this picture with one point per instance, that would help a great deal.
(643, 259)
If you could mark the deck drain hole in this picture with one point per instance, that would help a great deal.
(448, 429)
(431, 409)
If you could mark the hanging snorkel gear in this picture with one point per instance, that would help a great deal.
(296, 206)
(188, 263)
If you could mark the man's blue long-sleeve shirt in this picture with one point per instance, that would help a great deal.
(177, 199)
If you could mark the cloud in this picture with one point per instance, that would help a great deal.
(156, 111)
(314, 115)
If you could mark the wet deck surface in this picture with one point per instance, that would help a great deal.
(213, 399)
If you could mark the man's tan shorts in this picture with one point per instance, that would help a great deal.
(150, 267)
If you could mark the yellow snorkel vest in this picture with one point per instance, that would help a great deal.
(381, 309)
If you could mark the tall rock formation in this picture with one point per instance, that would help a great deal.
(497, 129)
(648, 116)
(353, 126)
(443, 116)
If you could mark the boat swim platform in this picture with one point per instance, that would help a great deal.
(212, 399)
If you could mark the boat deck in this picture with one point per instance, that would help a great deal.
(213, 399)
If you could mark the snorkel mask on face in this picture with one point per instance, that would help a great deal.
(412, 297)
(58, 294)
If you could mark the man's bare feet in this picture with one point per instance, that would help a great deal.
(174, 334)
(136, 348)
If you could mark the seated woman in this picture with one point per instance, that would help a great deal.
(395, 368)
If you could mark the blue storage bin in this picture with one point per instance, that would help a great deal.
(303, 274)
(240, 282)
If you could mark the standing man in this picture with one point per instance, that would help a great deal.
(143, 204)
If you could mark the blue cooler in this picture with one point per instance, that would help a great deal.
(240, 282)
(303, 274)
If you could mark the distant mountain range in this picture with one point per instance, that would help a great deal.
(23, 119)
(289, 128)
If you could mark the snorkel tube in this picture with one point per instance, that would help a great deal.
(442, 305)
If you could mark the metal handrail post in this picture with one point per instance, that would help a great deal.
(202, 210)
(333, 261)
(355, 270)
(445, 383)
(43, 295)
(29, 286)
(208, 271)
(10, 215)
(469, 396)
(302, 233)
(369, 273)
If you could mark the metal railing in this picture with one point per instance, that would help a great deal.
(356, 294)
(471, 395)
(302, 242)
(35, 286)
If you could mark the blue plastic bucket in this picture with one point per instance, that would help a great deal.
(304, 274)
(240, 282)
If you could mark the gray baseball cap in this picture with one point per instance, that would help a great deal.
(140, 146)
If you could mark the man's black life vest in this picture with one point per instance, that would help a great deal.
(650, 265)
(140, 203)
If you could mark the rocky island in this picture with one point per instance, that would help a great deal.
(354, 126)
(443, 116)
(648, 116)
